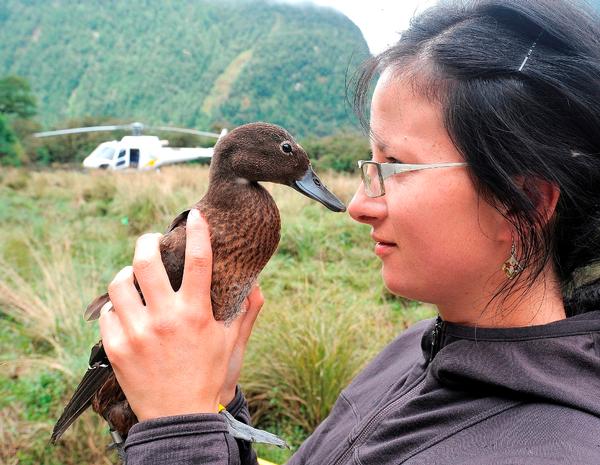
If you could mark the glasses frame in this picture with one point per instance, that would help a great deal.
(385, 170)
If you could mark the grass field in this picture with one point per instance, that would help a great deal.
(63, 236)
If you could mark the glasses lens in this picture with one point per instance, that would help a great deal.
(371, 179)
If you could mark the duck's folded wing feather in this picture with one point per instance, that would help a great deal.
(98, 372)
(181, 218)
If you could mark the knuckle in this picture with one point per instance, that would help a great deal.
(137, 338)
(119, 280)
(164, 325)
(148, 238)
(115, 349)
(141, 264)
(193, 308)
(146, 248)
(113, 287)
(195, 317)
(198, 260)
(112, 290)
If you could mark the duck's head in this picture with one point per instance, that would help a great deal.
(266, 152)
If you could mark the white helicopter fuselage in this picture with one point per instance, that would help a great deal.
(142, 153)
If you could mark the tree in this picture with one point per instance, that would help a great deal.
(16, 98)
(17, 106)
(11, 151)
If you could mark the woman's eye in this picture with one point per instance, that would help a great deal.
(286, 147)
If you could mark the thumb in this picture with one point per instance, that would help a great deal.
(253, 305)
(239, 330)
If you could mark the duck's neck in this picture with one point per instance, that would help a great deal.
(236, 192)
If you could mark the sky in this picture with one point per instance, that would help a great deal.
(379, 20)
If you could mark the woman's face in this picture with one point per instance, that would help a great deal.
(439, 242)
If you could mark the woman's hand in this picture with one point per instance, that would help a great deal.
(171, 356)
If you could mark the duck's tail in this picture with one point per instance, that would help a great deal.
(96, 375)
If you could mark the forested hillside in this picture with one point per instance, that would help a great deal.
(189, 62)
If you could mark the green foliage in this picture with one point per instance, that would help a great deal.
(17, 106)
(338, 152)
(11, 152)
(16, 98)
(36, 393)
(188, 63)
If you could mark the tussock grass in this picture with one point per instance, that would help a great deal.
(304, 353)
(42, 313)
(46, 306)
(63, 236)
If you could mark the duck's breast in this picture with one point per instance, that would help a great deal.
(245, 232)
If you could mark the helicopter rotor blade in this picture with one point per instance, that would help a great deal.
(186, 131)
(61, 132)
(135, 128)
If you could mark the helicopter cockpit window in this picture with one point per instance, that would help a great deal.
(106, 153)
(122, 153)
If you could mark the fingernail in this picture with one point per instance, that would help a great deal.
(194, 214)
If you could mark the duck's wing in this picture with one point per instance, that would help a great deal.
(96, 375)
(92, 312)
(179, 219)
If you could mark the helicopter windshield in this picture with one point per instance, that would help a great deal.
(105, 153)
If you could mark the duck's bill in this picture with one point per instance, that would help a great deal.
(311, 186)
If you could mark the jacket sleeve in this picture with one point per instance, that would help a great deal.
(190, 439)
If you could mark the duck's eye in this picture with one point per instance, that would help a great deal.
(286, 147)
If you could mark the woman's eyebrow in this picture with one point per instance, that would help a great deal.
(379, 145)
(389, 151)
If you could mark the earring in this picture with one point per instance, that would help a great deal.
(512, 267)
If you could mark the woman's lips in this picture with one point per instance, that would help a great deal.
(384, 248)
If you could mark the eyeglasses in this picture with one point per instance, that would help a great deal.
(373, 173)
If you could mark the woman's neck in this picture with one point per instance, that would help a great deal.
(538, 305)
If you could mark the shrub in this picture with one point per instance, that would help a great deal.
(11, 152)
(338, 152)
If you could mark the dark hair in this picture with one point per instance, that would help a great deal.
(535, 120)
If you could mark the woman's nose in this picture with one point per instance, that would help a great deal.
(365, 209)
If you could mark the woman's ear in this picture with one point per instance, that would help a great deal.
(543, 195)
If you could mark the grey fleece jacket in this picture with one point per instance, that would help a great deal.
(438, 394)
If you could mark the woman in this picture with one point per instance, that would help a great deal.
(485, 124)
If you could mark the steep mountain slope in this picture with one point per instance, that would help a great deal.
(186, 62)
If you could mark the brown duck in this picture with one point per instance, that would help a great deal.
(244, 231)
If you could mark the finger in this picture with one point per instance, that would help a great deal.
(111, 330)
(150, 271)
(232, 332)
(254, 303)
(198, 261)
(124, 297)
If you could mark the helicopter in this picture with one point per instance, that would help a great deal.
(138, 151)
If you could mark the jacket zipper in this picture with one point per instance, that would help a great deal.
(407, 396)
(436, 338)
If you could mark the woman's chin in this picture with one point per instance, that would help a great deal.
(403, 284)
(394, 283)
